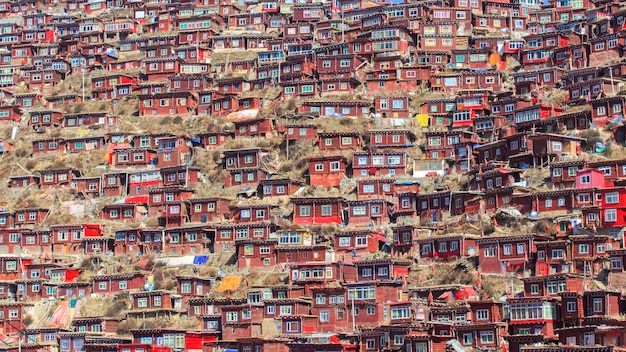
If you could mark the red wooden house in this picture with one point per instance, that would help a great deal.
(457, 81)
(368, 212)
(392, 106)
(180, 103)
(250, 212)
(398, 139)
(276, 187)
(356, 243)
(14, 313)
(336, 107)
(119, 212)
(132, 157)
(606, 109)
(9, 114)
(444, 247)
(45, 146)
(327, 171)
(96, 324)
(213, 140)
(190, 286)
(375, 188)
(29, 216)
(338, 140)
(317, 210)
(301, 132)
(505, 254)
(257, 253)
(106, 87)
(381, 163)
(227, 233)
(86, 186)
(7, 220)
(202, 210)
(127, 241)
(114, 184)
(80, 144)
(113, 283)
(160, 68)
(254, 127)
(244, 166)
(89, 119)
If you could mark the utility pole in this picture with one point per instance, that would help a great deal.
(343, 38)
(353, 313)
(83, 72)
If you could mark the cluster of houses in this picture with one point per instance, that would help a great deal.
(489, 74)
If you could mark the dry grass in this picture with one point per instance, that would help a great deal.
(99, 306)
(496, 286)
(594, 135)
(175, 322)
(614, 151)
(296, 164)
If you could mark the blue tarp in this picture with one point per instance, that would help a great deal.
(200, 259)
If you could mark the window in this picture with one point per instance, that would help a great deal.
(534, 289)
(142, 302)
(611, 198)
(571, 306)
(610, 215)
(361, 241)
(320, 298)
(616, 263)
(486, 337)
(232, 316)
(598, 306)
(507, 249)
(324, 316)
(327, 210)
(490, 251)
(246, 314)
(344, 241)
(557, 254)
(482, 314)
(366, 292)
(285, 310)
(617, 108)
(583, 248)
(359, 210)
(398, 340)
(467, 339)
(305, 210)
